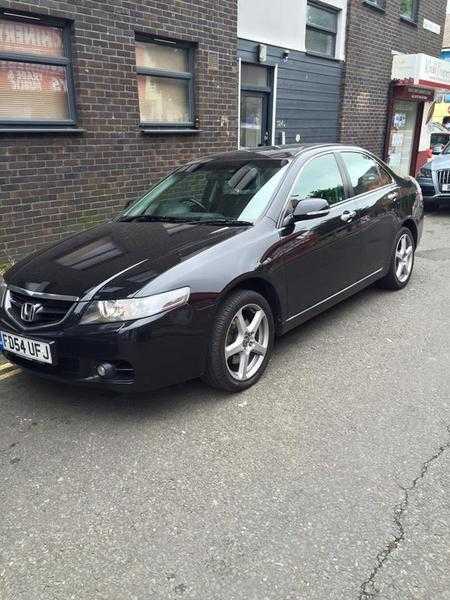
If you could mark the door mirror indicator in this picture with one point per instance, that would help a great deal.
(311, 208)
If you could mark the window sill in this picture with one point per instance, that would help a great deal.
(408, 21)
(169, 131)
(42, 130)
(380, 9)
(325, 56)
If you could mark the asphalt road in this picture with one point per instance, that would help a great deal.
(328, 480)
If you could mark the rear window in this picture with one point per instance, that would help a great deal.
(365, 173)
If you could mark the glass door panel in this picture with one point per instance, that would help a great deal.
(401, 138)
(253, 119)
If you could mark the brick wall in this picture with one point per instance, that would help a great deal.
(372, 35)
(52, 185)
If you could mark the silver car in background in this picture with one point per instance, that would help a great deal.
(434, 179)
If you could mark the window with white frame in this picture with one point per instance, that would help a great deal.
(321, 29)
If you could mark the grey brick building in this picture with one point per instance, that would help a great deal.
(98, 99)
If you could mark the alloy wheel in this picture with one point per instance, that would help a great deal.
(247, 342)
(404, 258)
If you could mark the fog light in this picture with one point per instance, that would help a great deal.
(106, 371)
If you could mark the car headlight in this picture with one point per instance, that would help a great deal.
(426, 173)
(131, 309)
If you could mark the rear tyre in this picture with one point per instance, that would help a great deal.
(241, 342)
(401, 262)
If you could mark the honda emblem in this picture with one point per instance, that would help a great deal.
(29, 312)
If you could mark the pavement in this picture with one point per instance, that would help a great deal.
(329, 480)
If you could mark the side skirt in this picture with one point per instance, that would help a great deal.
(324, 305)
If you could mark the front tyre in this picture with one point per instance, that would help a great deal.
(402, 261)
(241, 342)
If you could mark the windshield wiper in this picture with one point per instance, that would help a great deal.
(231, 222)
(152, 219)
(156, 219)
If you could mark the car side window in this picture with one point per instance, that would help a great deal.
(386, 179)
(320, 178)
(365, 173)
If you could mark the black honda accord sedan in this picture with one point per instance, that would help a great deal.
(198, 277)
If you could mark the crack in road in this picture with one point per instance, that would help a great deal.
(368, 591)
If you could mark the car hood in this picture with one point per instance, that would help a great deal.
(440, 162)
(114, 260)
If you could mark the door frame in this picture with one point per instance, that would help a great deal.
(407, 93)
(269, 92)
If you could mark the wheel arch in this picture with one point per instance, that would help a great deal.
(266, 289)
(411, 225)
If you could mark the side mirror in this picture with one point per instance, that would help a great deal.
(437, 149)
(311, 208)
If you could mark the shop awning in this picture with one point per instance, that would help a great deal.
(421, 70)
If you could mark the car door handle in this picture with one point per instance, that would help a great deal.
(348, 215)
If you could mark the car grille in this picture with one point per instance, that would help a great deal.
(46, 312)
(443, 179)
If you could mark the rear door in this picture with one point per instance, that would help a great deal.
(374, 195)
(322, 254)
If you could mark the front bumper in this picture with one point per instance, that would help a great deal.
(431, 192)
(147, 354)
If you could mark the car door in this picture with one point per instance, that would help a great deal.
(321, 255)
(373, 197)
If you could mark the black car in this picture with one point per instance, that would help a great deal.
(199, 276)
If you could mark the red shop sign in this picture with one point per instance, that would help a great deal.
(413, 94)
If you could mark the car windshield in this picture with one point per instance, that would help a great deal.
(233, 191)
(446, 150)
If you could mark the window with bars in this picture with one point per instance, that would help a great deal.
(321, 29)
(36, 84)
(165, 83)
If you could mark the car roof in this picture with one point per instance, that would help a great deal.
(288, 151)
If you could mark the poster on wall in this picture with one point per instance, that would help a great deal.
(30, 39)
(397, 139)
(33, 91)
(395, 160)
(399, 120)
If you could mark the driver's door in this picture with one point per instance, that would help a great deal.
(322, 254)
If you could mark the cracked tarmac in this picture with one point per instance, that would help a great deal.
(371, 589)
(329, 480)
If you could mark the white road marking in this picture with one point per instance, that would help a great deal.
(6, 366)
(9, 374)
